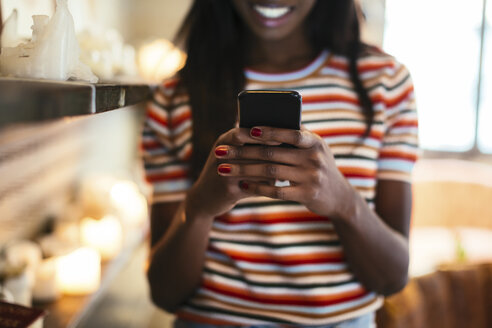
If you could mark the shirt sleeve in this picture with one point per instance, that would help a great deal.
(166, 146)
(399, 149)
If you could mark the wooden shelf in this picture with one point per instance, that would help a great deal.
(29, 101)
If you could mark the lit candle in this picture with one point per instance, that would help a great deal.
(104, 235)
(129, 203)
(159, 59)
(45, 287)
(79, 273)
(25, 253)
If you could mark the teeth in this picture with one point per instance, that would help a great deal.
(271, 12)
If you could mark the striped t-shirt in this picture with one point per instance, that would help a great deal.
(271, 261)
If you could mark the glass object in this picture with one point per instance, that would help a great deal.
(26, 9)
(439, 41)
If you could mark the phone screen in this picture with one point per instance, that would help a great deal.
(275, 108)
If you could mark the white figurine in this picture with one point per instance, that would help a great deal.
(53, 53)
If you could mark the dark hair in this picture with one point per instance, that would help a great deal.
(214, 38)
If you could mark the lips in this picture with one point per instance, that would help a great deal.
(272, 14)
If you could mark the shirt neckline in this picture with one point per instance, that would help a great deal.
(289, 76)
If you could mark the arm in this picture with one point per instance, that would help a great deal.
(180, 230)
(179, 241)
(376, 243)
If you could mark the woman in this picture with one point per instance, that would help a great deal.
(229, 247)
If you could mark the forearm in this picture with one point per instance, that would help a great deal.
(176, 261)
(376, 253)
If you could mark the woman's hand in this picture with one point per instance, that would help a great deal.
(315, 180)
(212, 194)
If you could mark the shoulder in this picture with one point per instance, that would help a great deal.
(375, 60)
(377, 66)
(372, 63)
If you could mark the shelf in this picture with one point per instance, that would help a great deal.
(28, 101)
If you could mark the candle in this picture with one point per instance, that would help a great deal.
(25, 253)
(94, 195)
(129, 203)
(19, 286)
(45, 288)
(104, 235)
(53, 245)
(159, 59)
(79, 273)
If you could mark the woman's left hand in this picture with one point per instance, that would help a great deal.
(315, 180)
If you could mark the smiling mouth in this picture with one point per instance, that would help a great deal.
(272, 12)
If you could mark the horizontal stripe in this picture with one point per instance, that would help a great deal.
(286, 312)
(167, 197)
(273, 219)
(270, 245)
(247, 203)
(277, 239)
(396, 165)
(321, 277)
(323, 292)
(165, 176)
(391, 154)
(360, 182)
(315, 301)
(249, 282)
(274, 227)
(171, 186)
(271, 211)
(292, 233)
(327, 270)
(292, 260)
(279, 268)
(245, 318)
(151, 166)
(332, 105)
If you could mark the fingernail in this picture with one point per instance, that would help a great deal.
(224, 169)
(244, 185)
(255, 132)
(221, 151)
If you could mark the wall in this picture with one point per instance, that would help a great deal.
(145, 19)
(140, 20)
(41, 165)
(37, 169)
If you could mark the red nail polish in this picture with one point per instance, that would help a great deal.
(221, 151)
(225, 169)
(244, 185)
(255, 132)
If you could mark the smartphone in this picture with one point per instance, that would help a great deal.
(275, 108)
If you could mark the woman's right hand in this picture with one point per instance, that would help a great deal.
(213, 194)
